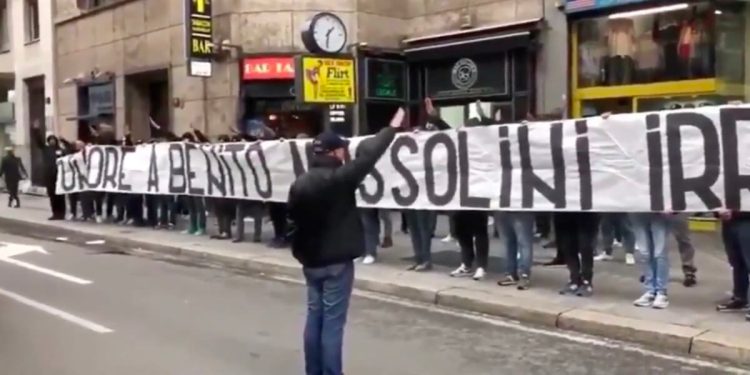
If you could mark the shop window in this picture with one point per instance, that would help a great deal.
(4, 27)
(31, 11)
(668, 43)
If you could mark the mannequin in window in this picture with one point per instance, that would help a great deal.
(621, 43)
(591, 54)
(667, 33)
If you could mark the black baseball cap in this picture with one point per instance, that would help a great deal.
(328, 141)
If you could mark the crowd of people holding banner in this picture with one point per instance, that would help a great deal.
(643, 236)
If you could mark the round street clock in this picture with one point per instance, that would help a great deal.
(324, 33)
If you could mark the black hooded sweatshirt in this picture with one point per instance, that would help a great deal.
(50, 153)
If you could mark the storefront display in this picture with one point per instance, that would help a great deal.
(626, 57)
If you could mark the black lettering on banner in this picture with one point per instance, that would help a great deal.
(297, 165)
(68, 184)
(177, 168)
(734, 182)
(123, 152)
(220, 181)
(398, 196)
(233, 149)
(506, 174)
(189, 174)
(700, 185)
(451, 168)
(466, 200)
(77, 173)
(371, 198)
(228, 169)
(530, 181)
(95, 150)
(256, 148)
(655, 166)
(584, 164)
(111, 167)
(152, 185)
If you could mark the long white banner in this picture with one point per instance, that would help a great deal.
(686, 160)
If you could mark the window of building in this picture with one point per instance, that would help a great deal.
(32, 20)
(4, 29)
(86, 5)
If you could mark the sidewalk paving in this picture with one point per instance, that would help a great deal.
(689, 325)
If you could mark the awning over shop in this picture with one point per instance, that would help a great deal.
(478, 41)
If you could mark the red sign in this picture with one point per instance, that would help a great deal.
(259, 68)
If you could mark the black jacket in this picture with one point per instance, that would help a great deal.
(12, 169)
(50, 154)
(323, 206)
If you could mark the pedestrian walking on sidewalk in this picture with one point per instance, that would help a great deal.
(328, 236)
(12, 169)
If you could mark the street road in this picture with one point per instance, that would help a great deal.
(102, 313)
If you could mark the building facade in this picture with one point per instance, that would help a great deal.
(131, 54)
(26, 75)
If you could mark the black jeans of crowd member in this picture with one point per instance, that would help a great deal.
(543, 224)
(167, 210)
(73, 200)
(253, 209)
(152, 210)
(135, 208)
(277, 211)
(736, 236)
(12, 186)
(472, 236)
(56, 202)
(225, 213)
(576, 238)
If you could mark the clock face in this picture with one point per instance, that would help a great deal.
(329, 33)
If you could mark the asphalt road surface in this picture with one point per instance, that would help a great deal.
(78, 310)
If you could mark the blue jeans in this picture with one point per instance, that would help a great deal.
(371, 224)
(328, 292)
(736, 235)
(518, 233)
(421, 227)
(651, 230)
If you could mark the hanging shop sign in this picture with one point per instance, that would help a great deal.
(199, 28)
(265, 68)
(467, 77)
(572, 6)
(326, 80)
(385, 79)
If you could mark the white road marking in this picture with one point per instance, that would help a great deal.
(518, 326)
(98, 328)
(95, 242)
(59, 275)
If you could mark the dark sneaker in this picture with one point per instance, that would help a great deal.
(523, 282)
(690, 281)
(570, 289)
(585, 290)
(508, 280)
(387, 242)
(554, 262)
(427, 266)
(733, 304)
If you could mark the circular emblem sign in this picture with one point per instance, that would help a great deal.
(464, 74)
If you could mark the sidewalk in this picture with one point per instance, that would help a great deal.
(689, 325)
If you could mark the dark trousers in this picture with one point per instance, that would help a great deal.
(577, 239)
(255, 210)
(12, 186)
(736, 235)
(167, 210)
(116, 206)
(225, 213)
(543, 224)
(88, 204)
(471, 233)
(371, 226)
(277, 211)
(420, 230)
(56, 202)
(73, 200)
(135, 208)
(152, 210)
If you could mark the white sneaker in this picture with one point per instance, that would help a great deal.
(461, 271)
(629, 259)
(661, 301)
(646, 300)
(479, 274)
(99, 220)
(447, 238)
(603, 257)
(616, 243)
(369, 259)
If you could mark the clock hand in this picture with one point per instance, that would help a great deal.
(328, 37)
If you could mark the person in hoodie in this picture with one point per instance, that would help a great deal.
(328, 236)
(419, 221)
(51, 150)
(471, 227)
(12, 169)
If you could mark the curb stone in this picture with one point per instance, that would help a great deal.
(685, 339)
